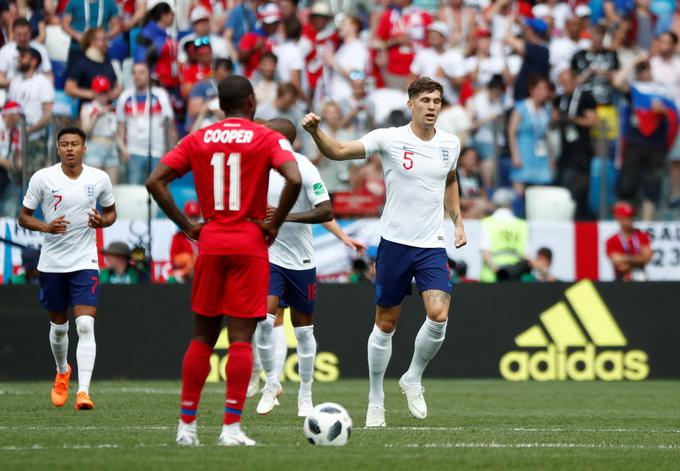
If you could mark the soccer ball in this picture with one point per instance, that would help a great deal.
(329, 424)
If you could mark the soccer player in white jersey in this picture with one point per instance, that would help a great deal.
(292, 276)
(68, 193)
(419, 163)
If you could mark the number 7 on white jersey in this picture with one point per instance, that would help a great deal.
(234, 163)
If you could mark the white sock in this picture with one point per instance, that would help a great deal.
(265, 348)
(430, 337)
(86, 351)
(306, 351)
(59, 344)
(257, 366)
(280, 349)
(379, 353)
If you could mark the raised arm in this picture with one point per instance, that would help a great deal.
(329, 146)
(452, 206)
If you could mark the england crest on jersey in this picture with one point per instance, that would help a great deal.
(445, 155)
(90, 191)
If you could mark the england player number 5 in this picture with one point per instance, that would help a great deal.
(408, 160)
(234, 164)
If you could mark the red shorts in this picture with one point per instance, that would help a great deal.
(230, 285)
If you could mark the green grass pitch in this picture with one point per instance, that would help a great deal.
(471, 425)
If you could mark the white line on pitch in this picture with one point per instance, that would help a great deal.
(622, 446)
(79, 447)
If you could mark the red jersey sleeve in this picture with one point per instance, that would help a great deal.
(645, 240)
(613, 246)
(281, 150)
(179, 158)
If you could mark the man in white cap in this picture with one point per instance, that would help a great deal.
(10, 159)
(200, 26)
(445, 66)
(254, 43)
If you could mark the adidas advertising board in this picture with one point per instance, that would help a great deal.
(516, 331)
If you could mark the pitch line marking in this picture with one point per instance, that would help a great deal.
(622, 446)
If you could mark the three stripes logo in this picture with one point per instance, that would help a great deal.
(583, 345)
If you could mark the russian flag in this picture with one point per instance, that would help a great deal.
(643, 94)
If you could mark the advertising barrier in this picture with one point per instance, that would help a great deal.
(540, 332)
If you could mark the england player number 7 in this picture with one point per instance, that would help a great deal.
(234, 164)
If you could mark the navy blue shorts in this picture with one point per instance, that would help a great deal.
(397, 264)
(58, 291)
(296, 288)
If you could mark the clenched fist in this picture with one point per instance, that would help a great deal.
(311, 123)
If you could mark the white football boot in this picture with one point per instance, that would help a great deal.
(232, 435)
(268, 399)
(375, 416)
(187, 434)
(414, 398)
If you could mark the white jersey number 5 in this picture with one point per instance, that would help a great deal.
(234, 163)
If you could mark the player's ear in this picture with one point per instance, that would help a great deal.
(410, 103)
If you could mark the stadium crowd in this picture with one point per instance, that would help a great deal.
(545, 93)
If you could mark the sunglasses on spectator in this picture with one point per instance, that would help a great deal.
(204, 41)
(357, 75)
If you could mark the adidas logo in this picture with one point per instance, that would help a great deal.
(583, 347)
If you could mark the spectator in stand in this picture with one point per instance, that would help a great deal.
(10, 157)
(98, 120)
(647, 129)
(481, 66)
(242, 19)
(289, 10)
(527, 132)
(595, 68)
(159, 50)
(461, 19)
(29, 274)
(630, 249)
(132, 13)
(35, 94)
(562, 49)
(447, 66)
(83, 15)
(474, 202)
(532, 47)
(575, 116)
(34, 12)
(9, 53)
(291, 63)
(642, 28)
(335, 174)
(183, 250)
(200, 25)
(254, 43)
(194, 72)
(144, 116)
(318, 36)
(352, 56)
(499, 18)
(666, 70)
(119, 268)
(201, 108)
(368, 178)
(94, 63)
(540, 267)
(285, 106)
(454, 118)
(486, 111)
(400, 34)
(265, 80)
(358, 109)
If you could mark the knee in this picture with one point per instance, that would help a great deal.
(386, 325)
(85, 326)
(439, 315)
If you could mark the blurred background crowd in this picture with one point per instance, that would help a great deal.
(580, 97)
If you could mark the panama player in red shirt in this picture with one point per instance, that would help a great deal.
(231, 161)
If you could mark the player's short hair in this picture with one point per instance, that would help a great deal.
(284, 126)
(424, 85)
(20, 23)
(72, 130)
(233, 92)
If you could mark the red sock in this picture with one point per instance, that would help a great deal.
(239, 368)
(195, 370)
